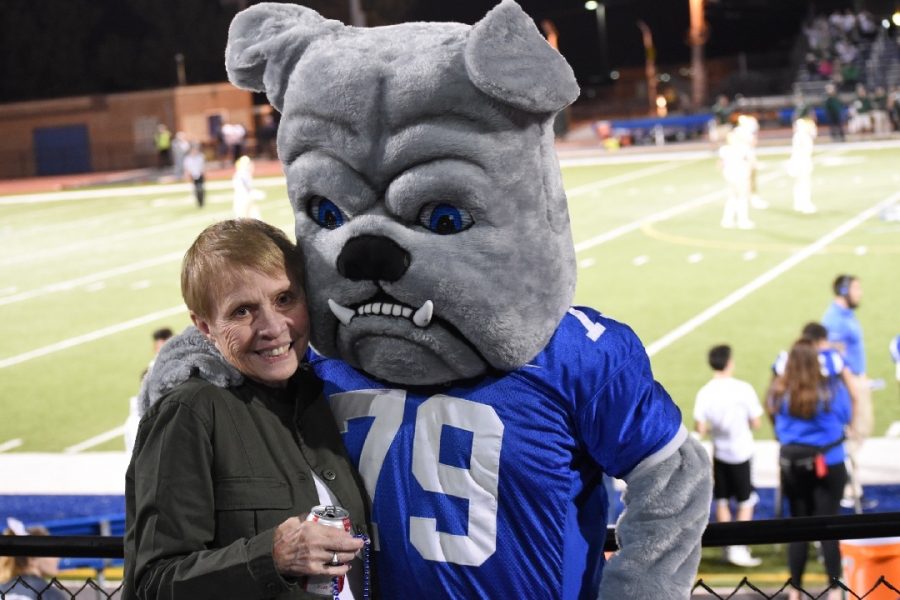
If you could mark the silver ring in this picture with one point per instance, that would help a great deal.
(334, 560)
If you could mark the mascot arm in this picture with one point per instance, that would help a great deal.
(666, 512)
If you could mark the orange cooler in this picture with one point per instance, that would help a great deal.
(865, 561)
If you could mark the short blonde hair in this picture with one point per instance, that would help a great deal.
(226, 248)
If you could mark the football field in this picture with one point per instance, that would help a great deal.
(85, 276)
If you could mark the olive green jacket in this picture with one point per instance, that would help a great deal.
(214, 472)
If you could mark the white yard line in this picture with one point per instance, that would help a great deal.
(677, 210)
(92, 336)
(770, 275)
(10, 444)
(96, 440)
(132, 190)
(624, 178)
(653, 218)
(98, 276)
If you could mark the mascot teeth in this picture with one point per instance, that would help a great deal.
(421, 318)
(343, 314)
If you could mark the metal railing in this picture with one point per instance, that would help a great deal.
(763, 531)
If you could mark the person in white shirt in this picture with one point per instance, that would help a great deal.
(728, 410)
(736, 163)
(245, 195)
(194, 165)
(800, 165)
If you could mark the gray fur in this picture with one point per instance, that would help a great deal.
(530, 76)
(384, 122)
(666, 512)
(182, 355)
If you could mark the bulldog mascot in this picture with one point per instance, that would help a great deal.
(480, 407)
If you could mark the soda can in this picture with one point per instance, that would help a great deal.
(330, 516)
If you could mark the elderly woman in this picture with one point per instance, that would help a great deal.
(221, 477)
(811, 412)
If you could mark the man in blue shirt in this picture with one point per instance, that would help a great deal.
(845, 334)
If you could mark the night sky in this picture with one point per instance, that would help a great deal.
(54, 48)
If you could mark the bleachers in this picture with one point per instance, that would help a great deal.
(103, 525)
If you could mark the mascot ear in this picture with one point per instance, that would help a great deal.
(508, 59)
(265, 41)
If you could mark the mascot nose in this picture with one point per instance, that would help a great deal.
(372, 257)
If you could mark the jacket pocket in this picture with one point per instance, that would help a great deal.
(249, 493)
(247, 506)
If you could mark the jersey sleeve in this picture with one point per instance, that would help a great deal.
(629, 419)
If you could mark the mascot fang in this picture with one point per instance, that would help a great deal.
(481, 409)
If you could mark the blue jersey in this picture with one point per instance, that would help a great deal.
(844, 328)
(894, 349)
(825, 427)
(830, 362)
(493, 488)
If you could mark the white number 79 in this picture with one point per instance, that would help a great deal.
(477, 484)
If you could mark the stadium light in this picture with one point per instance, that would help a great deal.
(600, 12)
(896, 18)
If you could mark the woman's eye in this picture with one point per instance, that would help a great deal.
(241, 311)
(445, 219)
(325, 212)
(285, 299)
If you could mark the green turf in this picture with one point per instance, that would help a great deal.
(75, 267)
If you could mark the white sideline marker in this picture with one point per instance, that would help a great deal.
(611, 181)
(96, 440)
(10, 444)
(92, 278)
(745, 290)
(92, 336)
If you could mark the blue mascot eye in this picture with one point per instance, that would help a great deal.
(445, 219)
(325, 212)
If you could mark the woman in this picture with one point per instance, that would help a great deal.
(25, 577)
(810, 413)
(221, 477)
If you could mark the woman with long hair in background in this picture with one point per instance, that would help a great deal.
(810, 413)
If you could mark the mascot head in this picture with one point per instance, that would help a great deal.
(426, 190)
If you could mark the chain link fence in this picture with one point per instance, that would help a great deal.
(745, 590)
(771, 531)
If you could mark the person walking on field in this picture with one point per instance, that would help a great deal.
(800, 165)
(736, 163)
(245, 195)
(162, 140)
(195, 167)
(728, 409)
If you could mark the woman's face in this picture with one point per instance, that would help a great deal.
(260, 325)
(46, 566)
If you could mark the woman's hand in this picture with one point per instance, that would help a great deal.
(304, 548)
